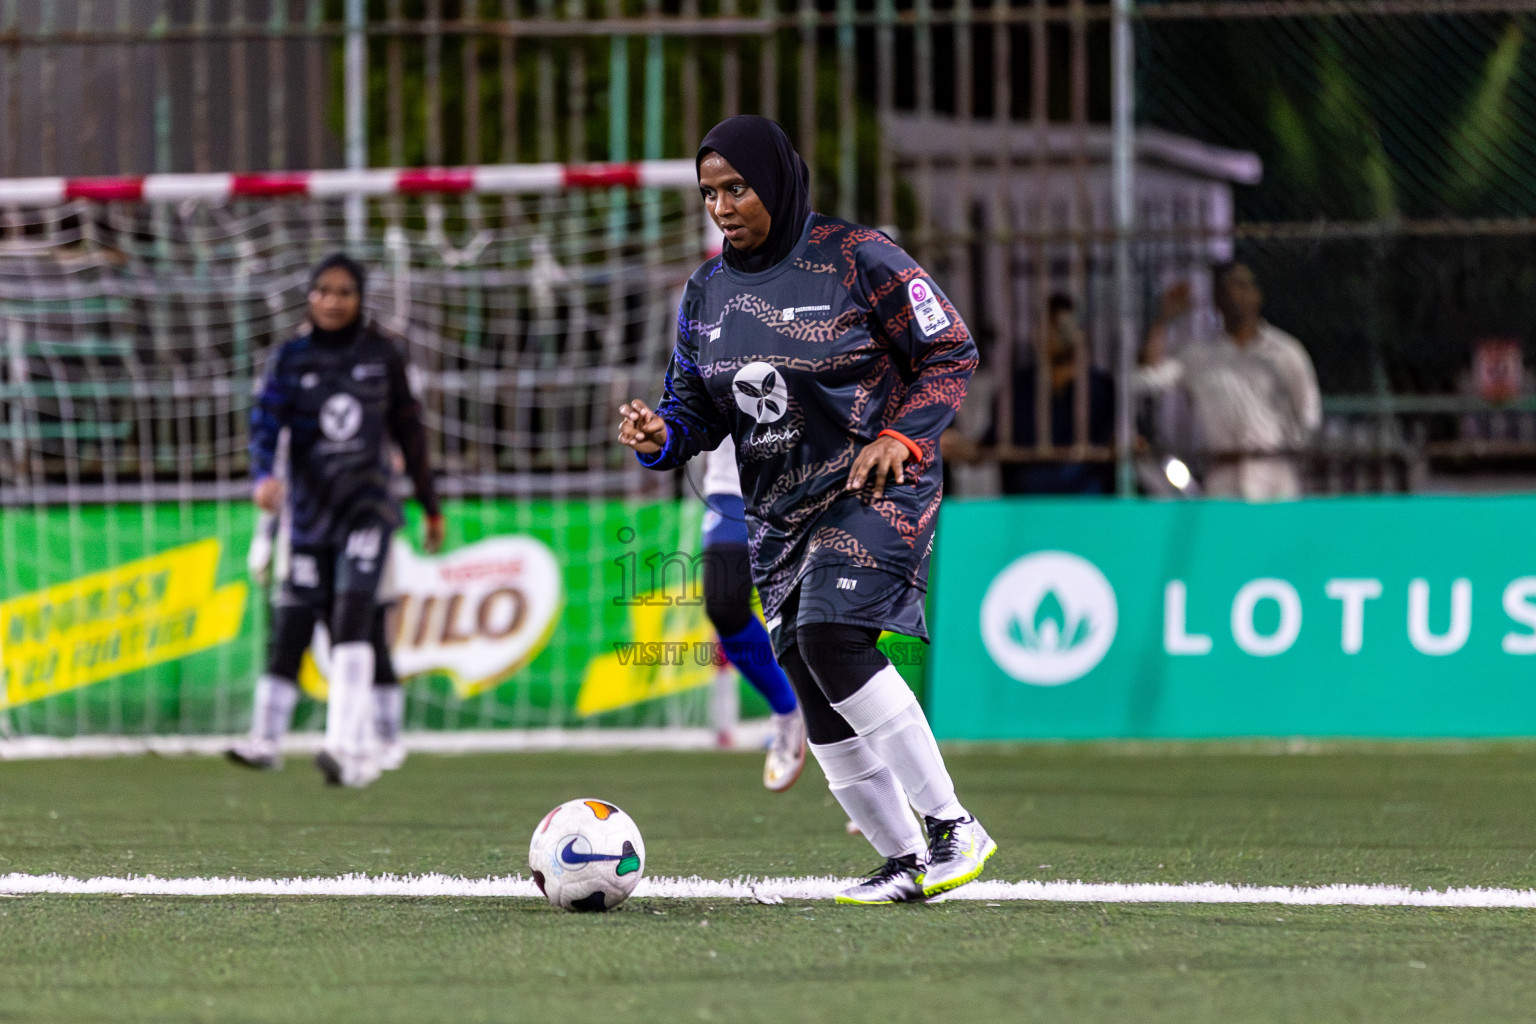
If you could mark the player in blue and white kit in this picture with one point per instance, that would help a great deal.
(340, 389)
(835, 363)
(728, 603)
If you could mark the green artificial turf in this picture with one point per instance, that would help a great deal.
(1412, 816)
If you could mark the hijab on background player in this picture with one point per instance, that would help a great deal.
(359, 275)
(760, 151)
(345, 262)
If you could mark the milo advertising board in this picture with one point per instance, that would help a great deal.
(144, 619)
(1341, 617)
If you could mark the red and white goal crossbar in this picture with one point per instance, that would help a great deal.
(494, 179)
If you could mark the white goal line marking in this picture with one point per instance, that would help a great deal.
(774, 890)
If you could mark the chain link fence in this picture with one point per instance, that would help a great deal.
(1371, 160)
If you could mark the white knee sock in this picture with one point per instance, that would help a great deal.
(389, 711)
(349, 716)
(887, 716)
(273, 712)
(871, 796)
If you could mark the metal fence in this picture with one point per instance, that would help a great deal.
(1370, 159)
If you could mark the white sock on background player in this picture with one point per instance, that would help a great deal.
(871, 796)
(886, 715)
(389, 723)
(271, 714)
(275, 700)
(349, 721)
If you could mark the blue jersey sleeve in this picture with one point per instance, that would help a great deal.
(693, 423)
(268, 417)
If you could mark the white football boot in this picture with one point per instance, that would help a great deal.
(352, 770)
(261, 754)
(391, 755)
(786, 751)
(895, 881)
(957, 852)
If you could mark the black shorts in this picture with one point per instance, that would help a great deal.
(317, 573)
(852, 595)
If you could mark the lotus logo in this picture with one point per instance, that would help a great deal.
(1049, 618)
(1051, 632)
(760, 392)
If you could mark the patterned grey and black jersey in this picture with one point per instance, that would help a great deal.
(340, 403)
(804, 364)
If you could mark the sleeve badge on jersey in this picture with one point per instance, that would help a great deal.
(926, 309)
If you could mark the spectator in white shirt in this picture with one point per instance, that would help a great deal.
(1252, 389)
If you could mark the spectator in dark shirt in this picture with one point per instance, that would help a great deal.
(1063, 343)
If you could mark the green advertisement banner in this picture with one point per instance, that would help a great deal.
(139, 620)
(1369, 617)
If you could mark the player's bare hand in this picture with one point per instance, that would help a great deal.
(641, 428)
(433, 532)
(1178, 300)
(884, 457)
(269, 494)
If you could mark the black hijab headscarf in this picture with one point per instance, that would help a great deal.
(359, 277)
(762, 154)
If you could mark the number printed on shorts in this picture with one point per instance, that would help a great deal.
(304, 571)
(363, 545)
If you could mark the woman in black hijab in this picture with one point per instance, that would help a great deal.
(835, 363)
(340, 390)
(780, 180)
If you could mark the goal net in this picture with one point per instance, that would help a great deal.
(136, 318)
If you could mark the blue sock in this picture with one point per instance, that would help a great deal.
(752, 655)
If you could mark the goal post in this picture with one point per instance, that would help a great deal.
(136, 317)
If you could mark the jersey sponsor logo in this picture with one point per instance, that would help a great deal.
(341, 417)
(926, 308)
(1049, 618)
(793, 311)
(363, 371)
(303, 571)
(764, 441)
(760, 392)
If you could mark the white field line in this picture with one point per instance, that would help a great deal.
(751, 734)
(774, 890)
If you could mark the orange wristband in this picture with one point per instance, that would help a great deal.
(912, 448)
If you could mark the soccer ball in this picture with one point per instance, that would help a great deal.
(586, 855)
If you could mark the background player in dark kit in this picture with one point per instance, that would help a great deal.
(341, 390)
(277, 690)
(835, 363)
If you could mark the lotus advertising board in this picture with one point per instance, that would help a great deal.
(1372, 617)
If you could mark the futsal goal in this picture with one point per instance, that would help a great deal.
(136, 318)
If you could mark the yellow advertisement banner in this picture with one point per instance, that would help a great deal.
(677, 656)
(94, 627)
